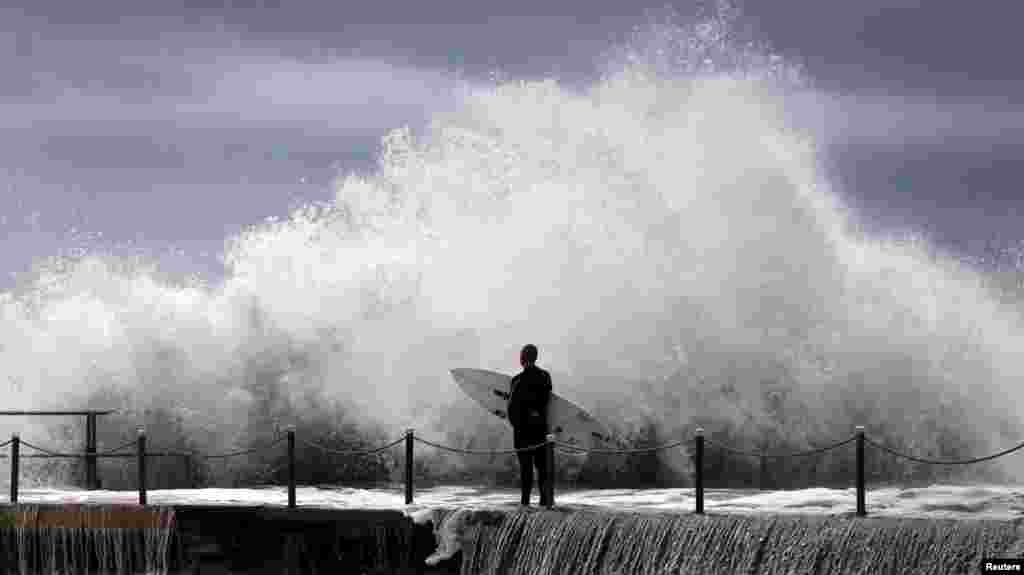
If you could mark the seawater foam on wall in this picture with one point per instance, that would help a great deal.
(448, 532)
(451, 528)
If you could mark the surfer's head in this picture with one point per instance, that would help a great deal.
(528, 356)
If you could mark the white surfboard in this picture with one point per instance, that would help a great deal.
(568, 421)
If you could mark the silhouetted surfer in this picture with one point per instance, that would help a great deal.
(529, 395)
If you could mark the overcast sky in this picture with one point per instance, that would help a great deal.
(172, 125)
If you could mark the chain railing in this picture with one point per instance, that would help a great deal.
(816, 451)
(480, 451)
(91, 420)
(549, 445)
(116, 449)
(943, 461)
(624, 451)
(332, 451)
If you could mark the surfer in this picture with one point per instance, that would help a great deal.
(529, 395)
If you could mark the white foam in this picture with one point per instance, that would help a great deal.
(979, 501)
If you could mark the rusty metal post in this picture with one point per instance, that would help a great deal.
(142, 466)
(699, 471)
(408, 466)
(861, 506)
(291, 467)
(15, 449)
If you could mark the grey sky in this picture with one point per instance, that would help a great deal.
(172, 125)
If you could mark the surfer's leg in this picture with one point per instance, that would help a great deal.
(525, 475)
(525, 465)
(541, 461)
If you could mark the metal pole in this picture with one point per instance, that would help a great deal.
(188, 469)
(291, 467)
(549, 453)
(142, 466)
(91, 475)
(861, 507)
(408, 466)
(15, 448)
(699, 469)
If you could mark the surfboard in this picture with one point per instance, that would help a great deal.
(569, 422)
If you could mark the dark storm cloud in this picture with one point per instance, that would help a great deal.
(951, 48)
(158, 134)
(885, 44)
(128, 116)
(954, 47)
(896, 120)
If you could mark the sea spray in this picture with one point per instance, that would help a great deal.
(664, 234)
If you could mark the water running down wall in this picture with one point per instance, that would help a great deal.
(602, 543)
(117, 540)
(48, 540)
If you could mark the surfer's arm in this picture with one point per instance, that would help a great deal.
(511, 403)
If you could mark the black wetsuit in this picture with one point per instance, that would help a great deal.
(527, 411)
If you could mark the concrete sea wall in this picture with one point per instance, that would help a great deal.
(50, 539)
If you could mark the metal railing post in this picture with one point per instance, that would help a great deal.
(15, 449)
(187, 462)
(408, 466)
(142, 466)
(699, 471)
(861, 507)
(549, 454)
(91, 461)
(291, 466)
